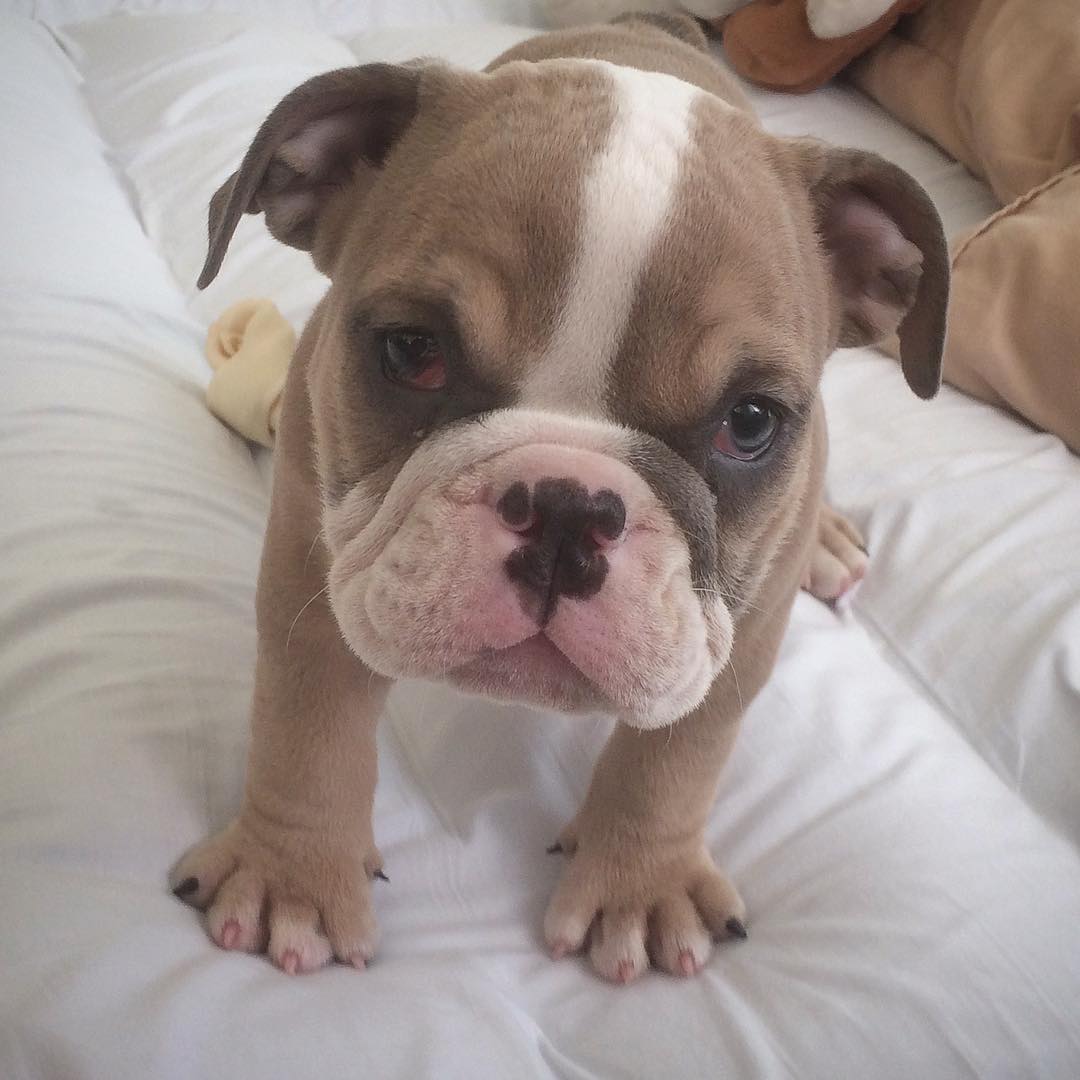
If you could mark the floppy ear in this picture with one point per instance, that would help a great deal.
(307, 148)
(890, 263)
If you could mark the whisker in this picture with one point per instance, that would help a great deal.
(315, 540)
(695, 536)
(733, 598)
(738, 691)
(288, 637)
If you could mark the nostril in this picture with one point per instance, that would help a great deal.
(533, 528)
(597, 539)
(514, 507)
(609, 518)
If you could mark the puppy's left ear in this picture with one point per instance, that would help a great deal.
(890, 262)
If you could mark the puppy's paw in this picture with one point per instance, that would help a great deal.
(628, 913)
(839, 560)
(264, 890)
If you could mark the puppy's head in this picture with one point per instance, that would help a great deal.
(564, 382)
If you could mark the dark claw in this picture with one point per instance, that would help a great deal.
(381, 876)
(555, 849)
(186, 887)
(735, 928)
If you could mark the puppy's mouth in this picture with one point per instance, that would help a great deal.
(538, 654)
(534, 668)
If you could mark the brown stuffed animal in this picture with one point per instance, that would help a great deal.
(794, 45)
(780, 44)
(996, 83)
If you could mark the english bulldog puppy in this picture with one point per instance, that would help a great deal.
(553, 435)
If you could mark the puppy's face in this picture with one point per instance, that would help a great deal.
(565, 381)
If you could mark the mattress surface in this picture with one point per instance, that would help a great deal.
(900, 812)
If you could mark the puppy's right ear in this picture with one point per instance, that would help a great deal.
(308, 147)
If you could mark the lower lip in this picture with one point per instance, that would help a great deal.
(532, 665)
(538, 654)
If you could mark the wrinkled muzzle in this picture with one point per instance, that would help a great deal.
(523, 558)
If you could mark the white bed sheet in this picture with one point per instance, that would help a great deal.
(915, 911)
(330, 16)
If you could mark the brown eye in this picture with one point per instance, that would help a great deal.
(412, 358)
(748, 430)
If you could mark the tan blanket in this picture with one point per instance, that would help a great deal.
(996, 83)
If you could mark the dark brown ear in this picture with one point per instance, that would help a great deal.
(890, 262)
(307, 148)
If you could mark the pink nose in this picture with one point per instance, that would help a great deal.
(566, 532)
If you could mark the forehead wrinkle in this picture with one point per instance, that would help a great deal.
(478, 288)
(766, 372)
(722, 283)
(715, 368)
(628, 189)
(470, 287)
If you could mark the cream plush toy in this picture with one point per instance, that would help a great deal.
(249, 349)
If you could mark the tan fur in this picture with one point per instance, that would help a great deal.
(638, 42)
(721, 290)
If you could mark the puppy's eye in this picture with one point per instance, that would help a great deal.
(412, 358)
(748, 430)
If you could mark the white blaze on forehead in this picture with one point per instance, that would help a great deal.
(628, 190)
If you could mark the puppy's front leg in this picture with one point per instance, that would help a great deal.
(640, 883)
(291, 874)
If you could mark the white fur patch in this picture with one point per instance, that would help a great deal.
(628, 191)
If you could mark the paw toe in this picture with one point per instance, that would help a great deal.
(198, 874)
(678, 940)
(569, 915)
(617, 946)
(847, 530)
(718, 904)
(296, 941)
(830, 576)
(351, 930)
(235, 919)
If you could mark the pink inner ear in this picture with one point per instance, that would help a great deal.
(318, 151)
(875, 267)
